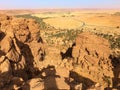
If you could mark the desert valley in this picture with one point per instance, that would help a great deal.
(60, 49)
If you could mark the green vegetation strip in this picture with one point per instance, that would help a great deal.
(70, 35)
(37, 19)
(114, 40)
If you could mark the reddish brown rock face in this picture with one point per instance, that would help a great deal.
(23, 65)
(91, 53)
(21, 45)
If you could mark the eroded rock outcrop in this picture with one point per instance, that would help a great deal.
(91, 53)
(21, 48)
(23, 64)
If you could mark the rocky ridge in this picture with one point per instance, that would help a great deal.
(91, 53)
(26, 63)
(21, 48)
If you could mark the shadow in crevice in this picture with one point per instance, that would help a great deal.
(2, 35)
(29, 70)
(49, 78)
(68, 53)
(7, 80)
(2, 53)
(40, 40)
(116, 70)
(77, 80)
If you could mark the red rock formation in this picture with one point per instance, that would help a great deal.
(91, 53)
(21, 48)
(22, 64)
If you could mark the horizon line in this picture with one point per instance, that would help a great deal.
(60, 9)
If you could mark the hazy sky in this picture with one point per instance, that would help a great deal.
(34, 4)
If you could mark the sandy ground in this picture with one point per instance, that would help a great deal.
(105, 21)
